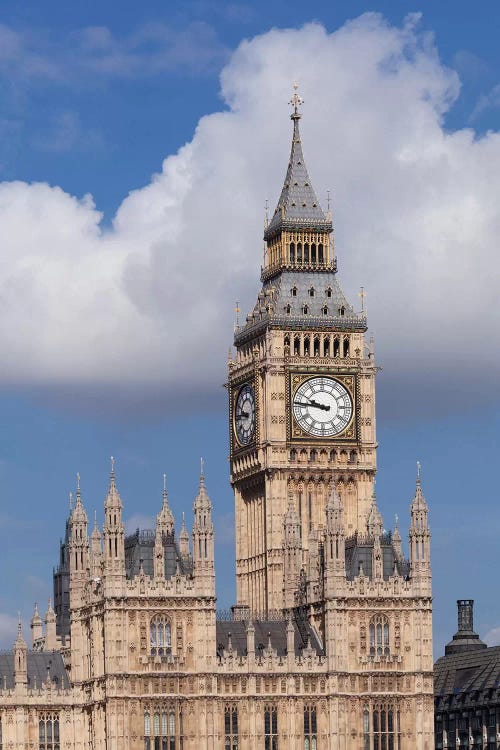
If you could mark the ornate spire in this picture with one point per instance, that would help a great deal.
(375, 522)
(298, 206)
(96, 534)
(419, 503)
(79, 514)
(202, 501)
(113, 499)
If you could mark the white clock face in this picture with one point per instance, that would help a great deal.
(322, 407)
(244, 415)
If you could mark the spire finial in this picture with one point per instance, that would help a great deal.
(112, 466)
(78, 481)
(19, 626)
(397, 520)
(419, 467)
(362, 294)
(202, 468)
(296, 101)
(70, 501)
(236, 318)
(164, 484)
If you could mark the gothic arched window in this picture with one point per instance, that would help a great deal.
(230, 728)
(48, 731)
(162, 728)
(160, 636)
(379, 636)
(310, 727)
(270, 728)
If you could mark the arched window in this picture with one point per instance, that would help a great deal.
(325, 310)
(316, 347)
(306, 340)
(230, 728)
(270, 728)
(305, 309)
(320, 253)
(342, 311)
(292, 252)
(329, 292)
(288, 309)
(48, 731)
(313, 252)
(296, 346)
(379, 636)
(160, 728)
(346, 346)
(336, 346)
(311, 292)
(366, 728)
(385, 727)
(326, 346)
(299, 252)
(293, 291)
(160, 635)
(310, 727)
(306, 252)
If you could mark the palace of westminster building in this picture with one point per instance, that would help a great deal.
(329, 644)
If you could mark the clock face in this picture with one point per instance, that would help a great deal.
(322, 407)
(244, 415)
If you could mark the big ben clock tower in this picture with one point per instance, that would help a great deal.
(301, 401)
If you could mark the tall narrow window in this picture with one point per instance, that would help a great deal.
(271, 728)
(366, 729)
(306, 252)
(160, 729)
(384, 728)
(48, 732)
(292, 252)
(230, 728)
(160, 636)
(379, 636)
(310, 728)
(313, 253)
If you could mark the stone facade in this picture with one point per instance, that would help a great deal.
(330, 642)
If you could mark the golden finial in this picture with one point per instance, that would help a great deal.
(362, 294)
(112, 465)
(78, 481)
(296, 101)
(419, 466)
(202, 467)
(237, 316)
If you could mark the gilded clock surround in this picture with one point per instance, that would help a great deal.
(296, 378)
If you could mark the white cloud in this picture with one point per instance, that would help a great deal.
(492, 637)
(146, 307)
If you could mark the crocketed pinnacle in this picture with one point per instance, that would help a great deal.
(184, 534)
(298, 205)
(36, 619)
(96, 534)
(418, 503)
(165, 516)
(375, 522)
(334, 501)
(79, 515)
(113, 499)
(20, 640)
(202, 500)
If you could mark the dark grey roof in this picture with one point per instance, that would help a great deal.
(359, 552)
(40, 664)
(284, 298)
(140, 546)
(473, 674)
(298, 205)
(276, 629)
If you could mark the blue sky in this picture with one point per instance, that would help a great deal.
(93, 101)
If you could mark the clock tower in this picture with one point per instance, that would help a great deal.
(301, 404)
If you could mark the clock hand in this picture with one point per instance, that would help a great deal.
(242, 415)
(315, 404)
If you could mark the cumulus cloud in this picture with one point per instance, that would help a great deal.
(145, 307)
(492, 637)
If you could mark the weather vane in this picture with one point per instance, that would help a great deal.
(296, 99)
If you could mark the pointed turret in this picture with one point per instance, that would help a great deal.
(20, 657)
(95, 550)
(420, 540)
(164, 531)
(299, 235)
(375, 523)
(113, 531)
(292, 554)
(335, 571)
(36, 629)
(298, 205)
(78, 548)
(203, 541)
(50, 629)
(397, 541)
(184, 540)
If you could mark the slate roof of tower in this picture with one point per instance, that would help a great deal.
(298, 205)
(276, 295)
(40, 663)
